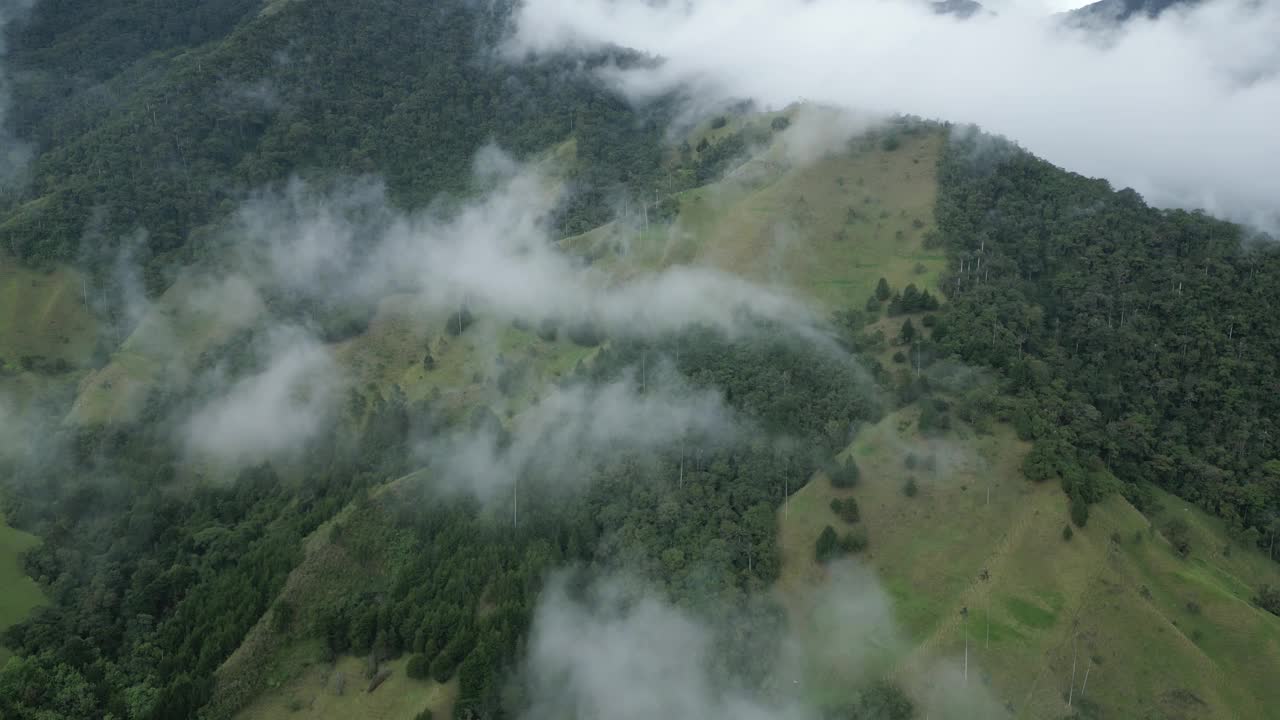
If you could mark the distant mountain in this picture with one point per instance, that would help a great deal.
(1122, 10)
(960, 8)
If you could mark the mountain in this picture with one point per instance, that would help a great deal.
(1118, 11)
(349, 368)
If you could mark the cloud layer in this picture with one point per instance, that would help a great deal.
(272, 411)
(617, 650)
(1182, 108)
(494, 254)
(574, 424)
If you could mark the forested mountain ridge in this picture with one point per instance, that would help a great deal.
(1142, 338)
(196, 109)
(1124, 344)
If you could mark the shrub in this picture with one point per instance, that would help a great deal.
(1067, 532)
(844, 474)
(459, 321)
(1268, 599)
(718, 122)
(827, 544)
(846, 509)
(1079, 511)
(853, 541)
(911, 489)
(781, 123)
(1179, 534)
(417, 667)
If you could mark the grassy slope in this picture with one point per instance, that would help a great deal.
(19, 594)
(1146, 656)
(780, 224)
(191, 316)
(43, 314)
(1046, 600)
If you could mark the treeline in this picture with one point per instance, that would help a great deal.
(154, 580)
(1141, 344)
(179, 114)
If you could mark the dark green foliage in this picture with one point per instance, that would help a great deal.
(718, 122)
(1268, 598)
(899, 357)
(160, 117)
(843, 473)
(586, 334)
(827, 545)
(1137, 339)
(882, 287)
(912, 300)
(846, 509)
(425, 715)
(853, 541)
(907, 333)
(934, 415)
(1079, 511)
(873, 305)
(1178, 533)
(458, 321)
(282, 616)
(911, 488)
(881, 701)
(780, 123)
(1067, 532)
(417, 666)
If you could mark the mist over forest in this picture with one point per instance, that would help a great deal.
(860, 360)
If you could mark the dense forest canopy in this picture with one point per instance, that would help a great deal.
(197, 104)
(1139, 341)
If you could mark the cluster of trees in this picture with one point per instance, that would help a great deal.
(910, 299)
(831, 545)
(155, 580)
(161, 119)
(1139, 343)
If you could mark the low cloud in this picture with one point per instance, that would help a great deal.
(272, 411)
(564, 431)
(618, 650)
(1180, 108)
(494, 255)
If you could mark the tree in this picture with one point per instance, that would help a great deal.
(908, 332)
(846, 509)
(1268, 598)
(1079, 511)
(827, 545)
(1178, 533)
(417, 667)
(910, 489)
(882, 290)
(844, 473)
(1067, 532)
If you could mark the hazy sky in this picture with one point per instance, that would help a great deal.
(1182, 109)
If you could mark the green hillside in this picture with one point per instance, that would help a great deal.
(21, 593)
(1158, 634)
(1014, 452)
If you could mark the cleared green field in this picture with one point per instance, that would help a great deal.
(828, 229)
(314, 693)
(1158, 636)
(191, 316)
(19, 594)
(43, 314)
